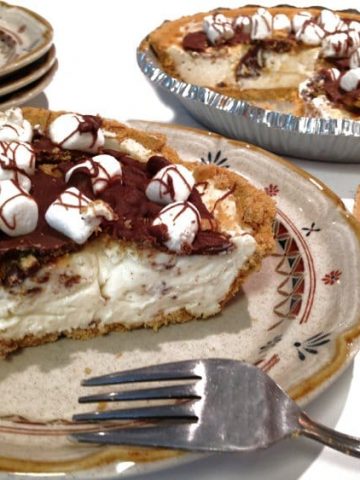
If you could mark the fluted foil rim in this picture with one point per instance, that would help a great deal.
(241, 108)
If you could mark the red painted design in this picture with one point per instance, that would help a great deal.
(332, 277)
(272, 190)
(297, 269)
(267, 365)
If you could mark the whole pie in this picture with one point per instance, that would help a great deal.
(103, 227)
(304, 61)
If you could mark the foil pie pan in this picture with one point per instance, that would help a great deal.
(331, 140)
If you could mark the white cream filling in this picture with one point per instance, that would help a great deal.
(118, 285)
(325, 109)
(282, 70)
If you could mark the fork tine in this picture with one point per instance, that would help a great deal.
(158, 412)
(174, 436)
(166, 371)
(170, 392)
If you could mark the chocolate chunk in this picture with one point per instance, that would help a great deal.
(196, 41)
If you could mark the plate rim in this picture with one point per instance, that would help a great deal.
(31, 77)
(30, 90)
(36, 53)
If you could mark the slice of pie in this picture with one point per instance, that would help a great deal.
(304, 61)
(104, 228)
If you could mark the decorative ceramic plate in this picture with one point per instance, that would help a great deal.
(24, 37)
(298, 319)
(24, 76)
(28, 92)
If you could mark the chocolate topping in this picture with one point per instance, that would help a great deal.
(196, 41)
(134, 211)
(329, 86)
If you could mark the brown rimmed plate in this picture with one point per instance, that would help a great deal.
(298, 319)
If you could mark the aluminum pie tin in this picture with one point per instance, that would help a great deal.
(330, 140)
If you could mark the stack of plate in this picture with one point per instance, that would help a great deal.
(27, 55)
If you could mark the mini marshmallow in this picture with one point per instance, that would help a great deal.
(282, 22)
(299, 19)
(218, 28)
(243, 23)
(8, 172)
(340, 44)
(350, 80)
(329, 21)
(353, 25)
(333, 73)
(76, 216)
(172, 183)
(13, 126)
(182, 221)
(261, 24)
(77, 132)
(102, 170)
(354, 61)
(20, 154)
(310, 34)
(19, 213)
(342, 27)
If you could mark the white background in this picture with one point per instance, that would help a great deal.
(96, 43)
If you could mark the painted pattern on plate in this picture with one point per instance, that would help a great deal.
(286, 321)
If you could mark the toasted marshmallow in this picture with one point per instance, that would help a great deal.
(261, 24)
(350, 80)
(329, 21)
(77, 132)
(282, 22)
(13, 126)
(20, 154)
(102, 170)
(243, 23)
(299, 19)
(19, 213)
(310, 34)
(9, 171)
(218, 28)
(182, 221)
(354, 61)
(76, 216)
(172, 183)
(340, 44)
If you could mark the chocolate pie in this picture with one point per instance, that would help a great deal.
(302, 61)
(103, 227)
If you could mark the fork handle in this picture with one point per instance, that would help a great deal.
(333, 439)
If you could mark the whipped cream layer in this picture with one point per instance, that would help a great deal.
(109, 282)
(285, 70)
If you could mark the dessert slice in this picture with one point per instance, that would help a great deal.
(281, 57)
(119, 233)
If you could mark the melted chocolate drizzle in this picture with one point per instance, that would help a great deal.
(126, 196)
(86, 124)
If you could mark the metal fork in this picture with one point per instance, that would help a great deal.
(221, 405)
